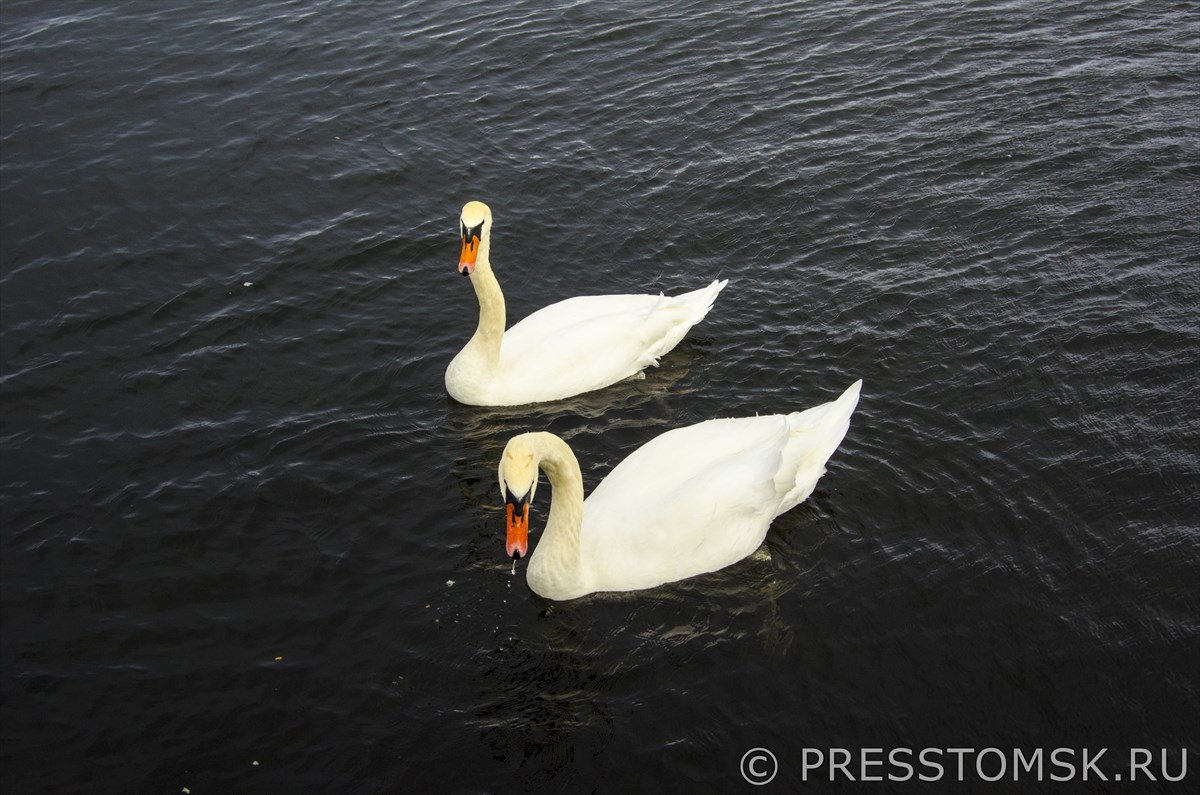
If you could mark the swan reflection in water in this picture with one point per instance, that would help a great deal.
(556, 689)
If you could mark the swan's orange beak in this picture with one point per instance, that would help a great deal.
(470, 250)
(518, 530)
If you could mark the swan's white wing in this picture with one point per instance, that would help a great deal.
(691, 501)
(589, 342)
(577, 325)
(699, 498)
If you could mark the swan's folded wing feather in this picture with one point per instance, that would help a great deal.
(690, 501)
(579, 344)
(589, 342)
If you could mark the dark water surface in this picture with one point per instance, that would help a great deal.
(228, 248)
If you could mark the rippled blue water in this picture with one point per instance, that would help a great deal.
(250, 545)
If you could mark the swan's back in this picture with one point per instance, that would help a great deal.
(588, 342)
(699, 498)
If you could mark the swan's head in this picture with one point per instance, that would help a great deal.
(473, 222)
(518, 480)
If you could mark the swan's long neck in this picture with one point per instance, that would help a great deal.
(488, 335)
(555, 570)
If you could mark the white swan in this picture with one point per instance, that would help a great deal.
(690, 501)
(574, 346)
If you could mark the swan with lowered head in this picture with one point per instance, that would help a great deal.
(564, 349)
(690, 501)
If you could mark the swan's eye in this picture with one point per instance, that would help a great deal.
(512, 499)
(469, 232)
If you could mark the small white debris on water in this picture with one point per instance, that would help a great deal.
(186, 791)
(256, 763)
(247, 284)
(449, 582)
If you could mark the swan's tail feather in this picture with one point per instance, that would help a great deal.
(702, 300)
(814, 436)
(681, 312)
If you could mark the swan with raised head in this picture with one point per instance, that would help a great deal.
(690, 501)
(564, 349)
